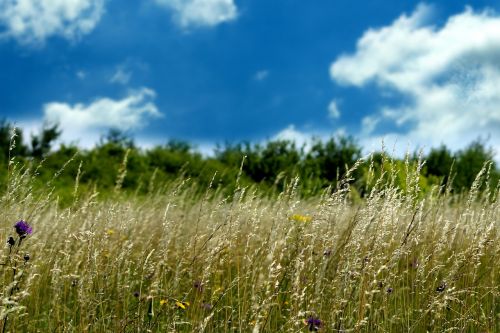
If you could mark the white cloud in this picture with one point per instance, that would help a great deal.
(261, 75)
(28, 127)
(448, 74)
(33, 21)
(290, 133)
(333, 109)
(85, 123)
(196, 13)
(368, 125)
(394, 144)
(207, 149)
(305, 138)
(121, 76)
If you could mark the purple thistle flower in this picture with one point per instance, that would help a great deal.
(314, 324)
(23, 228)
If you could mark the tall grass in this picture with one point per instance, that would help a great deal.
(177, 261)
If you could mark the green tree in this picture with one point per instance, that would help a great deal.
(439, 162)
(276, 158)
(173, 156)
(329, 160)
(118, 138)
(42, 143)
(470, 161)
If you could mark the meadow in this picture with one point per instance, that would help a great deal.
(178, 259)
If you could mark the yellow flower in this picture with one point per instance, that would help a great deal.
(300, 218)
(163, 302)
(109, 232)
(182, 305)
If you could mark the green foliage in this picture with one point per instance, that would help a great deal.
(330, 160)
(470, 161)
(118, 138)
(463, 166)
(320, 165)
(42, 143)
(439, 163)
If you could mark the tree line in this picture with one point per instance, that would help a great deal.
(269, 165)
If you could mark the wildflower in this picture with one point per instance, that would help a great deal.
(11, 241)
(441, 287)
(136, 294)
(182, 305)
(26, 257)
(390, 290)
(163, 302)
(23, 228)
(313, 323)
(301, 218)
(110, 232)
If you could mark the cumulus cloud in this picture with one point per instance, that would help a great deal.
(449, 75)
(198, 13)
(290, 133)
(86, 122)
(33, 21)
(333, 109)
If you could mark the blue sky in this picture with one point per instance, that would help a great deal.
(208, 71)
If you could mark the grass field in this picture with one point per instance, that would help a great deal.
(179, 261)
